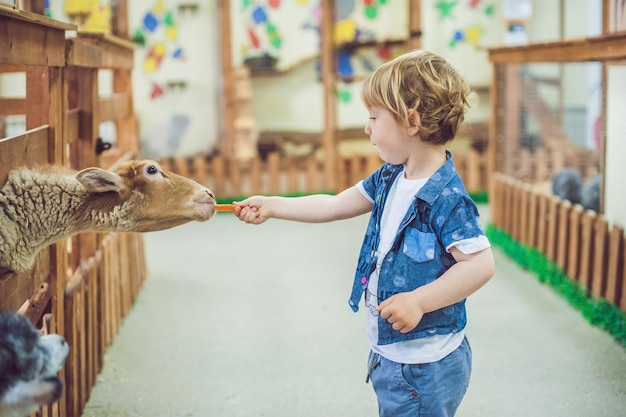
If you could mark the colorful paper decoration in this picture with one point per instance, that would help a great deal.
(157, 91)
(150, 22)
(445, 8)
(259, 15)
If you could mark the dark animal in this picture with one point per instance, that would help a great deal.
(567, 184)
(29, 363)
(590, 194)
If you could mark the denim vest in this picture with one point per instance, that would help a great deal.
(443, 213)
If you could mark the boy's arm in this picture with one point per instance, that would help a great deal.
(316, 208)
(472, 271)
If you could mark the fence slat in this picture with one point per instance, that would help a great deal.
(565, 237)
(585, 222)
(573, 244)
(615, 267)
(600, 257)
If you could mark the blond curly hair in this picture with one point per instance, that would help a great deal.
(422, 82)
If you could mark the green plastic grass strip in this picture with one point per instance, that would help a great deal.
(599, 312)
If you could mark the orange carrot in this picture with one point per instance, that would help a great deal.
(224, 207)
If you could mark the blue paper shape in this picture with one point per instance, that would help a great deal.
(150, 22)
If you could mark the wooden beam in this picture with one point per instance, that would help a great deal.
(28, 149)
(12, 106)
(24, 42)
(599, 48)
(100, 51)
(228, 90)
(114, 107)
(327, 57)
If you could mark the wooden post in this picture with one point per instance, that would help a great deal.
(585, 246)
(615, 268)
(600, 246)
(415, 25)
(327, 55)
(228, 91)
(573, 241)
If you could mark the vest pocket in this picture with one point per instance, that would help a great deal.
(419, 246)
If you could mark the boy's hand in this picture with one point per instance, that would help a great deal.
(402, 311)
(252, 210)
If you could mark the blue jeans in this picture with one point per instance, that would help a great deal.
(421, 390)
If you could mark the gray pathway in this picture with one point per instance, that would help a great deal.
(240, 320)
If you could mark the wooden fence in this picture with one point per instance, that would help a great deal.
(81, 287)
(280, 174)
(581, 242)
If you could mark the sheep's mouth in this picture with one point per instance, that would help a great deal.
(5, 271)
(203, 211)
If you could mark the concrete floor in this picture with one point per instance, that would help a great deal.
(240, 320)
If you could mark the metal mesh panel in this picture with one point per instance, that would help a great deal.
(549, 118)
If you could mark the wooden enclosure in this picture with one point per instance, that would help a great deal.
(282, 174)
(582, 243)
(588, 248)
(83, 286)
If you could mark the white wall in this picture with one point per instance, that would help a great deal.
(615, 170)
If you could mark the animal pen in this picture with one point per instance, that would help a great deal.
(538, 129)
(81, 287)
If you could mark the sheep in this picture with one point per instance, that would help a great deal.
(45, 204)
(567, 184)
(590, 194)
(29, 363)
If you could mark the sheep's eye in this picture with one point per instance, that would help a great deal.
(152, 170)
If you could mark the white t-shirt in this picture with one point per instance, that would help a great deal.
(426, 349)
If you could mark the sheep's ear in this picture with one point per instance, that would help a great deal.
(97, 180)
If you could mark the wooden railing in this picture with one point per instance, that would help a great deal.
(581, 242)
(82, 287)
(279, 174)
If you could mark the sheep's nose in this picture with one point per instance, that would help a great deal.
(210, 193)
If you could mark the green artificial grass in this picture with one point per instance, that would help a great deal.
(597, 311)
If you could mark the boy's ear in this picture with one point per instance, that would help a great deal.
(414, 122)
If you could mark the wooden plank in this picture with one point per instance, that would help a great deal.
(36, 19)
(82, 54)
(533, 212)
(585, 221)
(9, 68)
(565, 233)
(217, 171)
(543, 221)
(12, 106)
(615, 268)
(553, 227)
(328, 71)
(90, 51)
(599, 265)
(524, 191)
(574, 241)
(599, 48)
(126, 125)
(34, 308)
(23, 42)
(273, 167)
(200, 169)
(28, 149)
(71, 127)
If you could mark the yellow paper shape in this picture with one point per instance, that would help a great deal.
(345, 31)
(149, 65)
(158, 7)
(172, 33)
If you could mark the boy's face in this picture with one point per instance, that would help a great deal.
(389, 136)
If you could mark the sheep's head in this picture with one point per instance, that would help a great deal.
(145, 197)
